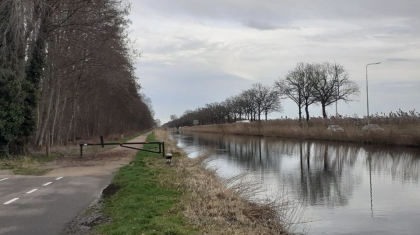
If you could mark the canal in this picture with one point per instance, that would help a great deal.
(342, 188)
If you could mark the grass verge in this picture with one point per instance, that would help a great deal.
(181, 198)
(144, 204)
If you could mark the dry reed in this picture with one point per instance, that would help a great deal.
(224, 206)
(403, 131)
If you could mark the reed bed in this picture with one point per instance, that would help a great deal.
(402, 131)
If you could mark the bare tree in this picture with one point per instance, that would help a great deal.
(271, 103)
(248, 104)
(73, 68)
(158, 123)
(249, 101)
(345, 87)
(238, 107)
(309, 76)
(261, 93)
(332, 84)
(12, 31)
(148, 102)
(173, 117)
(229, 105)
(292, 87)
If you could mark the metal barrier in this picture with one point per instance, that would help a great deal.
(161, 146)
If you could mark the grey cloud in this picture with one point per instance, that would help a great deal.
(267, 26)
(378, 31)
(398, 87)
(181, 44)
(392, 27)
(401, 60)
(281, 11)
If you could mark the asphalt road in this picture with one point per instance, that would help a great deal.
(43, 205)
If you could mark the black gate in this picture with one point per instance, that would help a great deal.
(124, 145)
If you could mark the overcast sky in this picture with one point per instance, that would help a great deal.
(196, 52)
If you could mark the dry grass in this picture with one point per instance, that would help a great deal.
(24, 165)
(33, 164)
(221, 207)
(403, 131)
(73, 148)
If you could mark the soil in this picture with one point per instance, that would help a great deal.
(110, 190)
(101, 163)
(92, 216)
(84, 223)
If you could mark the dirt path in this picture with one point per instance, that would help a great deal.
(102, 163)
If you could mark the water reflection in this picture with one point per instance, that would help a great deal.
(343, 185)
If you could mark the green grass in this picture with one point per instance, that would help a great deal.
(144, 205)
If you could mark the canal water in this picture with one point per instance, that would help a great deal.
(343, 188)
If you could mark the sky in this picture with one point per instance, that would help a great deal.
(195, 52)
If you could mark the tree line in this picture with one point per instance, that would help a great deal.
(66, 72)
(307, 84)
(250, 104)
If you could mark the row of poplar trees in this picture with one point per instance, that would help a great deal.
(66, 72)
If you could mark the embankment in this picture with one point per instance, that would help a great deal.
(181, 198)
(401, 134)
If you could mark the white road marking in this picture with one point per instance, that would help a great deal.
(14, 199)
(59, 178)
(47, 184)
(4, 179)
(33, 190)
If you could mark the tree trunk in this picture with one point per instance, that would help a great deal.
(34, 74)
(61, 114)
(300, 114)
(41, 109)
(73, 115)
(54, 120)
(324, 113)
(46, 120)
(307, 113)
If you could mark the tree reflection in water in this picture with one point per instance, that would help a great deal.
(346, 188)
(318, 173)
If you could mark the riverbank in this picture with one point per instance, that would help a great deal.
(398, 133)
(181, 198)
